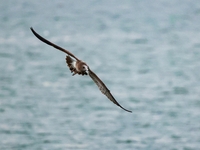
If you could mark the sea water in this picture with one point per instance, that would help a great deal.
(146, 52)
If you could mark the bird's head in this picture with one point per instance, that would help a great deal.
(84, 68)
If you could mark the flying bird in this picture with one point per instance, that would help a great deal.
(79, 67)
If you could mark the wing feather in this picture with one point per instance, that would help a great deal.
(52, 44)
(102, 87)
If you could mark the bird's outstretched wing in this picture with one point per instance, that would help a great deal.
(52, 44)
(102, 87)
(94, 77)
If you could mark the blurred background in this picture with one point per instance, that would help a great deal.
(147, 53)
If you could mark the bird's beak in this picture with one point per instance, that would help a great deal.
(87, 70)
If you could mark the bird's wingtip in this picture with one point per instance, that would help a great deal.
(128, 110)
(125, 109)
(31, 28)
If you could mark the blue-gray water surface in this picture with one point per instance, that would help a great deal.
(147, 53)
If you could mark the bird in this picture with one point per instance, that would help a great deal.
(79, 67)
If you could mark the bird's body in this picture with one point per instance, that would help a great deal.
(79, 67)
